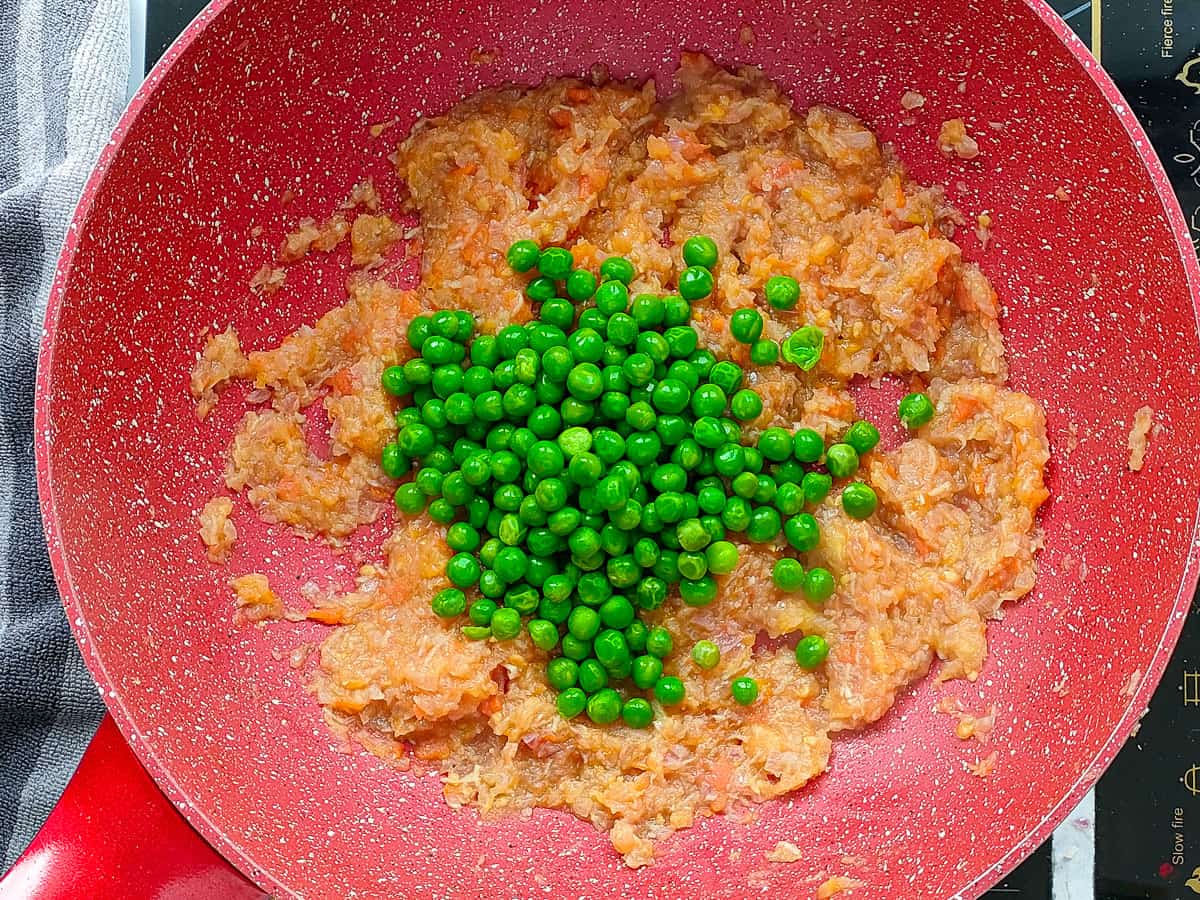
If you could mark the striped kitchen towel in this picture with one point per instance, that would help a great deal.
(63, 71)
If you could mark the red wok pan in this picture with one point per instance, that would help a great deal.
(261, 101)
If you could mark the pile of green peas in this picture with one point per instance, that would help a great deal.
(591, 463)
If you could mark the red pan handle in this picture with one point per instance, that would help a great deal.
(114, 835)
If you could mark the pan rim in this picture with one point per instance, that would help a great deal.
(227, 845)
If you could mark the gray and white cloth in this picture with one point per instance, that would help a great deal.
(63, 71)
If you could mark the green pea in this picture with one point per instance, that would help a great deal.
(558, 312)
(610, 648)
(802, 532)
(481, 611)
(775, 444)
(416, 439)
(543, 336)
(746, 325)
(702, 361)
(616, 612)
(485, 352)
(581, 285)
(461, 536)
(394, 382)
(729, 459)
(576, 649)
(764, 525)
(859, 500)
(584, 382)
(692, 535)
(727, 376)
(672, 429)
(676, 311)
(393, 461)
(417, 372)
(706, 654)
(611, 493)
(489, 406)
(621, 330)
(511, 563)
(682, 342)
(456, 490)
(693, 564)
(463, 570)
(562, 673)
(812, 651)
(695, 283)
(659, 642)
(744, 690)
(441, 351)
(819, 585)
(583, 623)
(803, 347)
(449, 603)
(491, 585)
(444, 324)
(506, 624)
(744, 485)
(736, 514)
(612, 297)
(522, 255)
(555, 262)
(623, 572)
(571, 702)
(637, 712)
(584, 542)
(782, 291)
(638, 369)
(643, 447)
(541, 288)
(764, 352)
(604, 706)
(788, 575)
(789, 499)
(417, 332)
(807, 445)
(651, 591)
(700, 250)
(614, 406)
(915, 410)
(647, 310)
(671, 396)
(635, 636)
(862, 436)
(592, 676)
(765, 489)
(711, 499)
(722, 557)
(617, 268)
(646, 671)
(554, 610)
(543, 634)
(698, 592)
(816, 487)
(540, 568)
(841, 460)
(476, 632)
(708, 400)
(669, 691)
(592, 318)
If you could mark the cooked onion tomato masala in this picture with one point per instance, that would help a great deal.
(646, 558)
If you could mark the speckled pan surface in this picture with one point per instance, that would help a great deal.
(258, 98)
